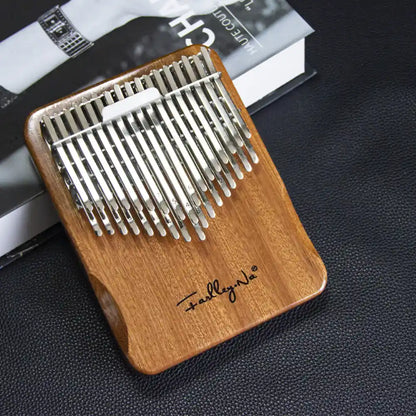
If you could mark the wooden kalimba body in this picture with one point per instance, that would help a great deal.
(135, 167)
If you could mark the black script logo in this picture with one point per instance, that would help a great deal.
(215, 289)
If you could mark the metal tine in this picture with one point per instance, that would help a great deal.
(171, 225)
(200, 233)
(192, 212)
(207, 204)
(80, 205)
(120, 200)
(145, 176)
(134, 174)
(79, 140)
(199, 160)
(230, 104)
(139, 139)
(180, 224)
(184, 153)
(234, 110)
(160, 199)
(133, 131)
(82, 197)
(192, 215)
(215, 194)
(228, 176)
(180, 169)
(163, 207)
(130, 122)
(202, 162)
(89, 186)
(194, 76)
(225, 140)
(222, 184)
(210, 156)
(213, 139)
(219, 106)
(99, 131)
(201, 217)
(203, 197)
(142, 164)
(92, 220)
(182, 227)
(181, 174)
(176, 186)
(201, 193)
(107, 193)
(213, 160)
(234, 164)
(213, 95)
(196, 109)
(185, 131)
(143, 169)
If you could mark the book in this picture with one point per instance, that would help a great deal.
(261, 43)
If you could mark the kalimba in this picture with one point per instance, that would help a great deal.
(136, 166)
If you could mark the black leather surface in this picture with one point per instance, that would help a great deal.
(345, 146)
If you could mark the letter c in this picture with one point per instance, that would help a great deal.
(210, 38)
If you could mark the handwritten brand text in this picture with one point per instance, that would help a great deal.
(214, 290)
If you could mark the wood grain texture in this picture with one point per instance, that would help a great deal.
(139, 280)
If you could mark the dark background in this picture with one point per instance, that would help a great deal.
(345, 145)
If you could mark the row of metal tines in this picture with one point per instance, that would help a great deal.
(153, 166)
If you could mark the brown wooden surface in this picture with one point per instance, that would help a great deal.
(139, 279)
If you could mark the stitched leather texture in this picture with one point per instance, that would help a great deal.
(345, 146)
